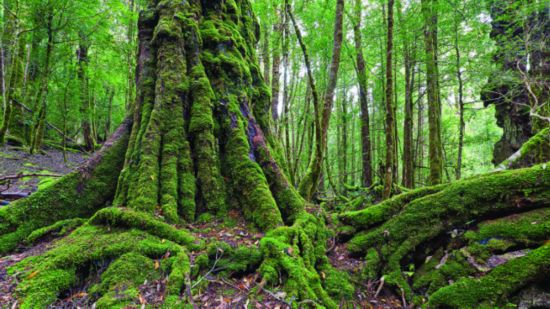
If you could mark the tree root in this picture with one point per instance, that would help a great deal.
(77, 195)
(422, 240)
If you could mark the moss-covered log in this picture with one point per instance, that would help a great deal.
(535, 150)
(424, 240)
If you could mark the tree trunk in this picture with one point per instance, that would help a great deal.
(276, 71)
(429, 10)
(37, 133)
(85, 108)
(366, 154)
(108, 123)
(130, 58)
(11, 115)
(390, 116)
(308, 185)
(462, 123)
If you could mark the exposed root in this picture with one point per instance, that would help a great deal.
(424, 243)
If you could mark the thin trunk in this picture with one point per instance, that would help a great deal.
(429, 9)
(85, 108)
(353, 156)
(308, 186)
(460, 105)
(314, 138)
(13, 94)
(42, 97)
(276, 70)
(130, 59)
(419, 157)
(344, 125)
(265, 55)
(366, 154)
(409, 59)
(65, 114)
(109, 121)
(390, 117)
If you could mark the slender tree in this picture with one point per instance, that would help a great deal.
(85, 104)
(429, 10)
(308, 185)
(366, 153)
(390, 116)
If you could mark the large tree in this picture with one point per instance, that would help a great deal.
(199, 140)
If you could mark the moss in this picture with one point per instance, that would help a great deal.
(45, 287)
(535, 150)
(526, 228)
(127, 218)
(120, 282)
(181, 269)
(495, 288)
(233, 261)
(211, 186)
(77, 195)
(435, 275)
(375, 214)
(372, 264)
(456, 206)
(60, 228)
(297, 253)
(45, 276)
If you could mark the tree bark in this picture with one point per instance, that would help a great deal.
(429, 10)
(85, 108)
(308, 185)
(42, 97)
(390, 116)
(462, 123)
(366, 153)
(276, 71)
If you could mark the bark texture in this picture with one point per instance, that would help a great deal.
(429, 10)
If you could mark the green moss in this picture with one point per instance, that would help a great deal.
(457, 205)
(77, 195)
(495, 288)
(233, 261)
(60, 228)
(375, 214)
(181, 269)
(297, 253)
(45, 276)
(211, 186)
(526, 228)
(120, 282)
(127, 218)
(43, 289)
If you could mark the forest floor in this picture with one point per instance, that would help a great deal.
(234, 292)
(15, 161)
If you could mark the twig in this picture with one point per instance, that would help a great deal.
(188, 291)
(382, 280)
(332, 246)
(218, 257)
(403, 298)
